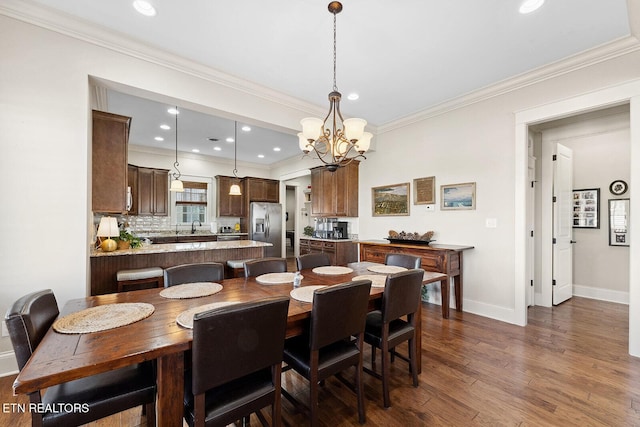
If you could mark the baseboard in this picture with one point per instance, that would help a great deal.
(601, 294)
(8, 364)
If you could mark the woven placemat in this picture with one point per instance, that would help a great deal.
(103, 317)
(305, 293)
(191, 290)
(276, 278)
(332, 270)
(386, 269)
(377, 280)
(185, 319)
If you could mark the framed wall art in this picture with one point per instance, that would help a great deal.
(458, 196)
(586, 208)
(618, 222)
(424, 191)
(390, 200)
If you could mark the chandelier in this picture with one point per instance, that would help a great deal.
(336, 141)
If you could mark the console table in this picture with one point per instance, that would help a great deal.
(446, 259)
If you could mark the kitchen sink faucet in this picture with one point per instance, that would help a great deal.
(193, 226)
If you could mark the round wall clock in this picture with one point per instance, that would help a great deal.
(618, 187)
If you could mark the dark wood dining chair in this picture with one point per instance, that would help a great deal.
(190, 273)
(312, 260)
(385, 328)
(260, 266)
(327, 348)
(403, 260)
(98, 396)
(236, 363)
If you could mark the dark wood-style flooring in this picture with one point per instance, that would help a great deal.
(568, 367)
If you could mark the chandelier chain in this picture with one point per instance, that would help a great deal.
(176, 174)
(235, 149)
(335, 86)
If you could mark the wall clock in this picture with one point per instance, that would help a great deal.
(618, 187)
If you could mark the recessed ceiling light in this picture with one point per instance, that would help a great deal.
(261, 156)
(165, 127)
(246, 128)
(217, 149)
(173, 111)
(159, 138)
(144, 7)
(276, 148)
(229, 139)
(353, 96)
(529, 6)
(195, 150)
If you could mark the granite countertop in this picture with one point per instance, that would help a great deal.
(179, 247)
(152, 234)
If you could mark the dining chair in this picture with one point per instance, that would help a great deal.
(313, 260)
(190, 273)
(385, 328)
(260, 266)
(97, 396)
(327, 348)
(403, 260)
(236, 363)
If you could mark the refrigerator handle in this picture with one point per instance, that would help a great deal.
(267, 225)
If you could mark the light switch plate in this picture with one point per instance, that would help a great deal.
(491, 223)
(5, 331)
(431, 207)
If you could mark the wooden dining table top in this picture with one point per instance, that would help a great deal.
(64, 357)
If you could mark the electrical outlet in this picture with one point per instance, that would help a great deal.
(5, 331)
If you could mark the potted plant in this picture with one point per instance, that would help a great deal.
(127, 240)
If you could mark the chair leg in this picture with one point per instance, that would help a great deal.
(313, 389)
(150, 413)
(385, 373)
(359, 384)
(276, 407)
(413, 361)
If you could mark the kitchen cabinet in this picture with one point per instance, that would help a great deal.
(153, 192)
(335, 193)
(109, 144)
(261, 190)
(340, 252)
(229, 205)
(132, 179)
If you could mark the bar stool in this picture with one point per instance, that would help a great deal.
(140, 276)
(235, 267)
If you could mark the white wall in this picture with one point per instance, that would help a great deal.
(44, 128)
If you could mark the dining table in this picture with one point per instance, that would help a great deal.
(63, 357)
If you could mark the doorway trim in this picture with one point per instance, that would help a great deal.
(617, 95)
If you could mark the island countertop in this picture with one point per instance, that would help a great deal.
(181, 247)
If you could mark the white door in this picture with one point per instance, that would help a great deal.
(562, 224)
(531, 198)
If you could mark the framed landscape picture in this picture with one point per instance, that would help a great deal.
(586, 208)
(458, 196)
(390, 200)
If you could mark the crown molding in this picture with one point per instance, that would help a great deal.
(62, 23)
(605, 52)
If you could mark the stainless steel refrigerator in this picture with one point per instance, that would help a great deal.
(265, 225)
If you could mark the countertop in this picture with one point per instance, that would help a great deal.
(151, 234)
(178, 247)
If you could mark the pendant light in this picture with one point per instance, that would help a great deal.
(176, 184)
(335, 141)
(234, 190)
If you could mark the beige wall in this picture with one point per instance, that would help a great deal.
(44, 93)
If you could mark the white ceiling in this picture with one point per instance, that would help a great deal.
(401, 57)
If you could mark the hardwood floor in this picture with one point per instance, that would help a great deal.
(568, 367)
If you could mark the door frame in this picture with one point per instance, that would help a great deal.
(609, 97)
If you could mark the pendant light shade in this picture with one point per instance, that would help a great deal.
(176, 184)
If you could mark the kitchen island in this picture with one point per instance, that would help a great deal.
(105, 265)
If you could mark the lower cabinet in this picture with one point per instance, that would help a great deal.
(340, 252)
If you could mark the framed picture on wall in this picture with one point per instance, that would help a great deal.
(390, 200)
(458, 196)
(424, 191)
(618, 222)
(586, 208)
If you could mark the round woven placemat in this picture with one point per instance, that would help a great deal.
(103, 317)
(332, 270)
(377, 280)
(276, 278)
(305, 293)
(191, 290)
(185, 319)
(386, 269)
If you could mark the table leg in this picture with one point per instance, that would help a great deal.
(444, 291)
(170, 381)
(457, 281)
